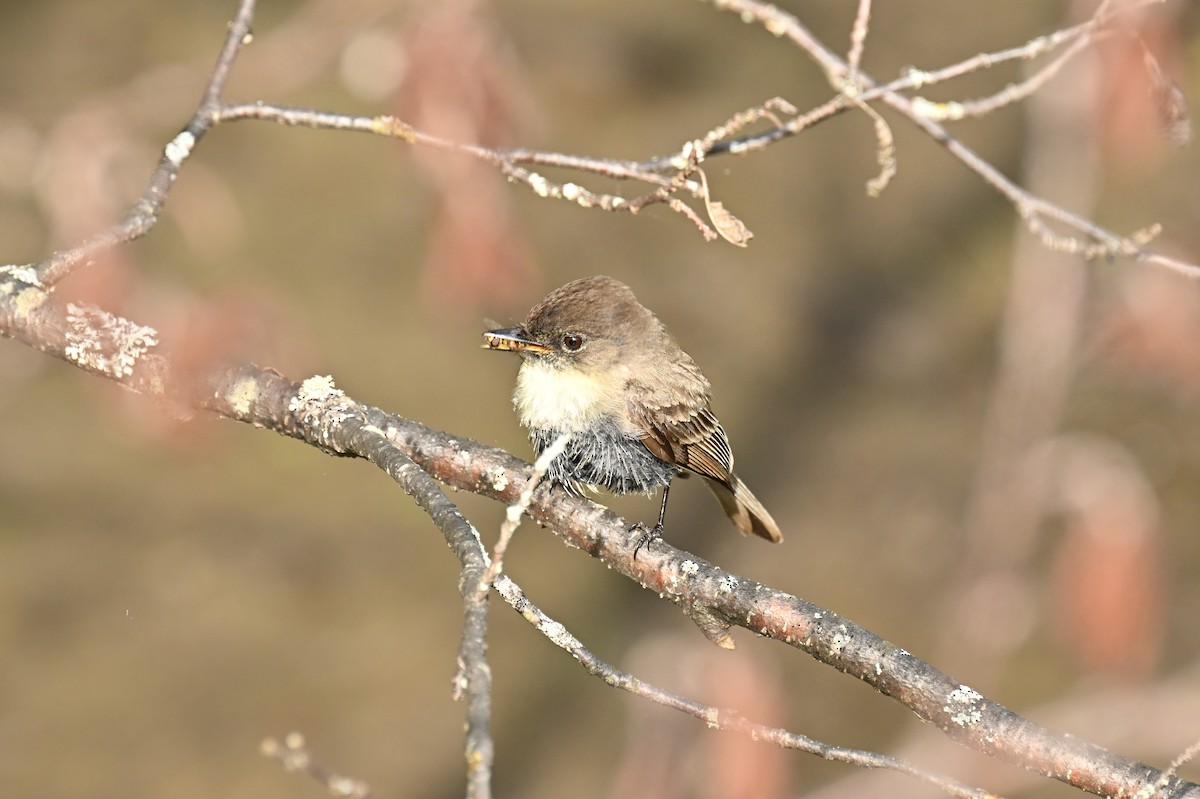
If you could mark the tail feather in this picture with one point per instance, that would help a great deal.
(744, 509)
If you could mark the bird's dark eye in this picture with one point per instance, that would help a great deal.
(572, 342)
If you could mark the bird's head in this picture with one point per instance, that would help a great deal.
(585, 325)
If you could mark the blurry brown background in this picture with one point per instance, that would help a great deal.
(170, 594)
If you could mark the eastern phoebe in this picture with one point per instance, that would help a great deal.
(598, 364)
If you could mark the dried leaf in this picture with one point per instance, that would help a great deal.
(732, 229)
(1170, 102)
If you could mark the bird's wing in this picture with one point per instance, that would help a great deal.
(688, 438)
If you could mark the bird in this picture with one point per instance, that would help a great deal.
(599, 365)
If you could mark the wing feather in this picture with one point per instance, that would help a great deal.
(695, 442)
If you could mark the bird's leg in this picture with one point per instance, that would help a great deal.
(654, 533)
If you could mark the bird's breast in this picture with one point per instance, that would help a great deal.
(563, 399)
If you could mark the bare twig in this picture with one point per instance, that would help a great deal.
(858, 40)
(1184, 757)
(714, 717)
(1012, 93)
(669, 174)
(293, 754)
(1085, 237)
(515, 512)
(144, 213)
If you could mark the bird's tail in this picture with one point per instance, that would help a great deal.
(744, 509)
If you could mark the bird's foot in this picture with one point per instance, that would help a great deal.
(648, 536)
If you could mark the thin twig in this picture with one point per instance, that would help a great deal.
(293, 754)
(663, 173)
(1184, 757)
(1089, 239)
(858, 39)
(515, 512)
(144, 213)
(1012, 93)
(714, 717)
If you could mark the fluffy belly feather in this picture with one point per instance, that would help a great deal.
(562, 399)
(552, 401)
(602, 456)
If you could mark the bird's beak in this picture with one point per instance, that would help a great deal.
(513, 339)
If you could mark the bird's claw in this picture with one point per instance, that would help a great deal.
(648, 536)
